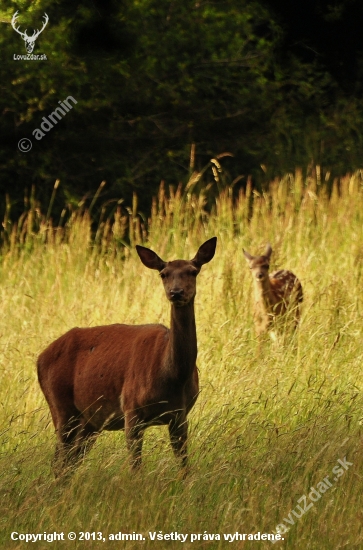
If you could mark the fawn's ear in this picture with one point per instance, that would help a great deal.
(205, 252)
(149, 258)
(268, 251)
(248, 256)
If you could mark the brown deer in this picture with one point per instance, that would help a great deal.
(276, 295)
(128, 377)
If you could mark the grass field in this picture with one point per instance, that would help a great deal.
(268, 426)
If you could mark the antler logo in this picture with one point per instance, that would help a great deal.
(29, 40)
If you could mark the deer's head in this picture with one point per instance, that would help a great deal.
(259, 265)
(179, 276)
(29, 40)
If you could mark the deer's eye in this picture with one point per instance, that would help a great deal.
(163, 275)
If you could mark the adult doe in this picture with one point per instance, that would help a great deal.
(277, 295)
(128, 377)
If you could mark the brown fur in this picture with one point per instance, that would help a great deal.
(276, 294)
(127, 377)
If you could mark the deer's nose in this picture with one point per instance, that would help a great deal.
(176, 294)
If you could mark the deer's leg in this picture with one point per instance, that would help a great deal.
(86, 439)
(134, 431)
(75, 438)
(297, 316)
(178, 431)
(66, 430)
(262, 337)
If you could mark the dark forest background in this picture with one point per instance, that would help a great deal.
(275, 84)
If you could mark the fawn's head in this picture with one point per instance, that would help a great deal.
(259, 265)
(179, 276)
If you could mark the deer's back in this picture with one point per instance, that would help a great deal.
(286, 288)
(103, 353)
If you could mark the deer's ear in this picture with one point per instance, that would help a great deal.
(149, 258)
(247, 255)
(205, 253)
(268, 251)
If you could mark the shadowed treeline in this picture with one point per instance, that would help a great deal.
(153, 81)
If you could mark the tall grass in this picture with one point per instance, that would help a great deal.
(267, 426)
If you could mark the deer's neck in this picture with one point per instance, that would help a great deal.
(183, 341)
(264, 295)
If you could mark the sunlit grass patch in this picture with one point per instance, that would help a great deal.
(269, 423)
